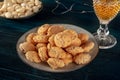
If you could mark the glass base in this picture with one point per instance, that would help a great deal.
(107, 43)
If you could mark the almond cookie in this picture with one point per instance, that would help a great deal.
(29, 38)
(51, 40)
(43, 29)
(57, 52)
(42, 52)
(74, 50)
(76, 42)
(32, 56)
(55, 63)
(65, 38)
(40, 38)
(88, 46)
(49, 46)
(72, 33)
(68, 59)
(83, 37)
(40, 45)
(82, 58)
(27, 46)
(54, 29)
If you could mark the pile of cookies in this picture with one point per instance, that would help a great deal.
(57, 46)
(19, 8)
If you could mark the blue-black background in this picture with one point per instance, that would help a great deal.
(106, 66)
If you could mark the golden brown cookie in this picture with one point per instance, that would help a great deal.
(49, 46)
(51, 40)
(74, 50)
(57, 52)
(40, 38)
(54, 29)
(68, 55)
(76, 42)
(88, 46)
(40, 45)
(29, 38)
(72, 33)
(83, 37)
(43, 29)
(68, 59)
(82, 58)
(26, 46)
(42, 52)
(32, 56)
(55, 63)
(65, 38)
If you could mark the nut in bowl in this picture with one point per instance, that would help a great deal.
(57, 47)
(19, 9)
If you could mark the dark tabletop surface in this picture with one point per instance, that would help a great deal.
(106, 66)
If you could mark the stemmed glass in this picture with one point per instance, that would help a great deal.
(105, 10)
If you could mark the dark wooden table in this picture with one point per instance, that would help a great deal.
(106, 66)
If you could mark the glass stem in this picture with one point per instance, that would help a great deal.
(103, 31)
